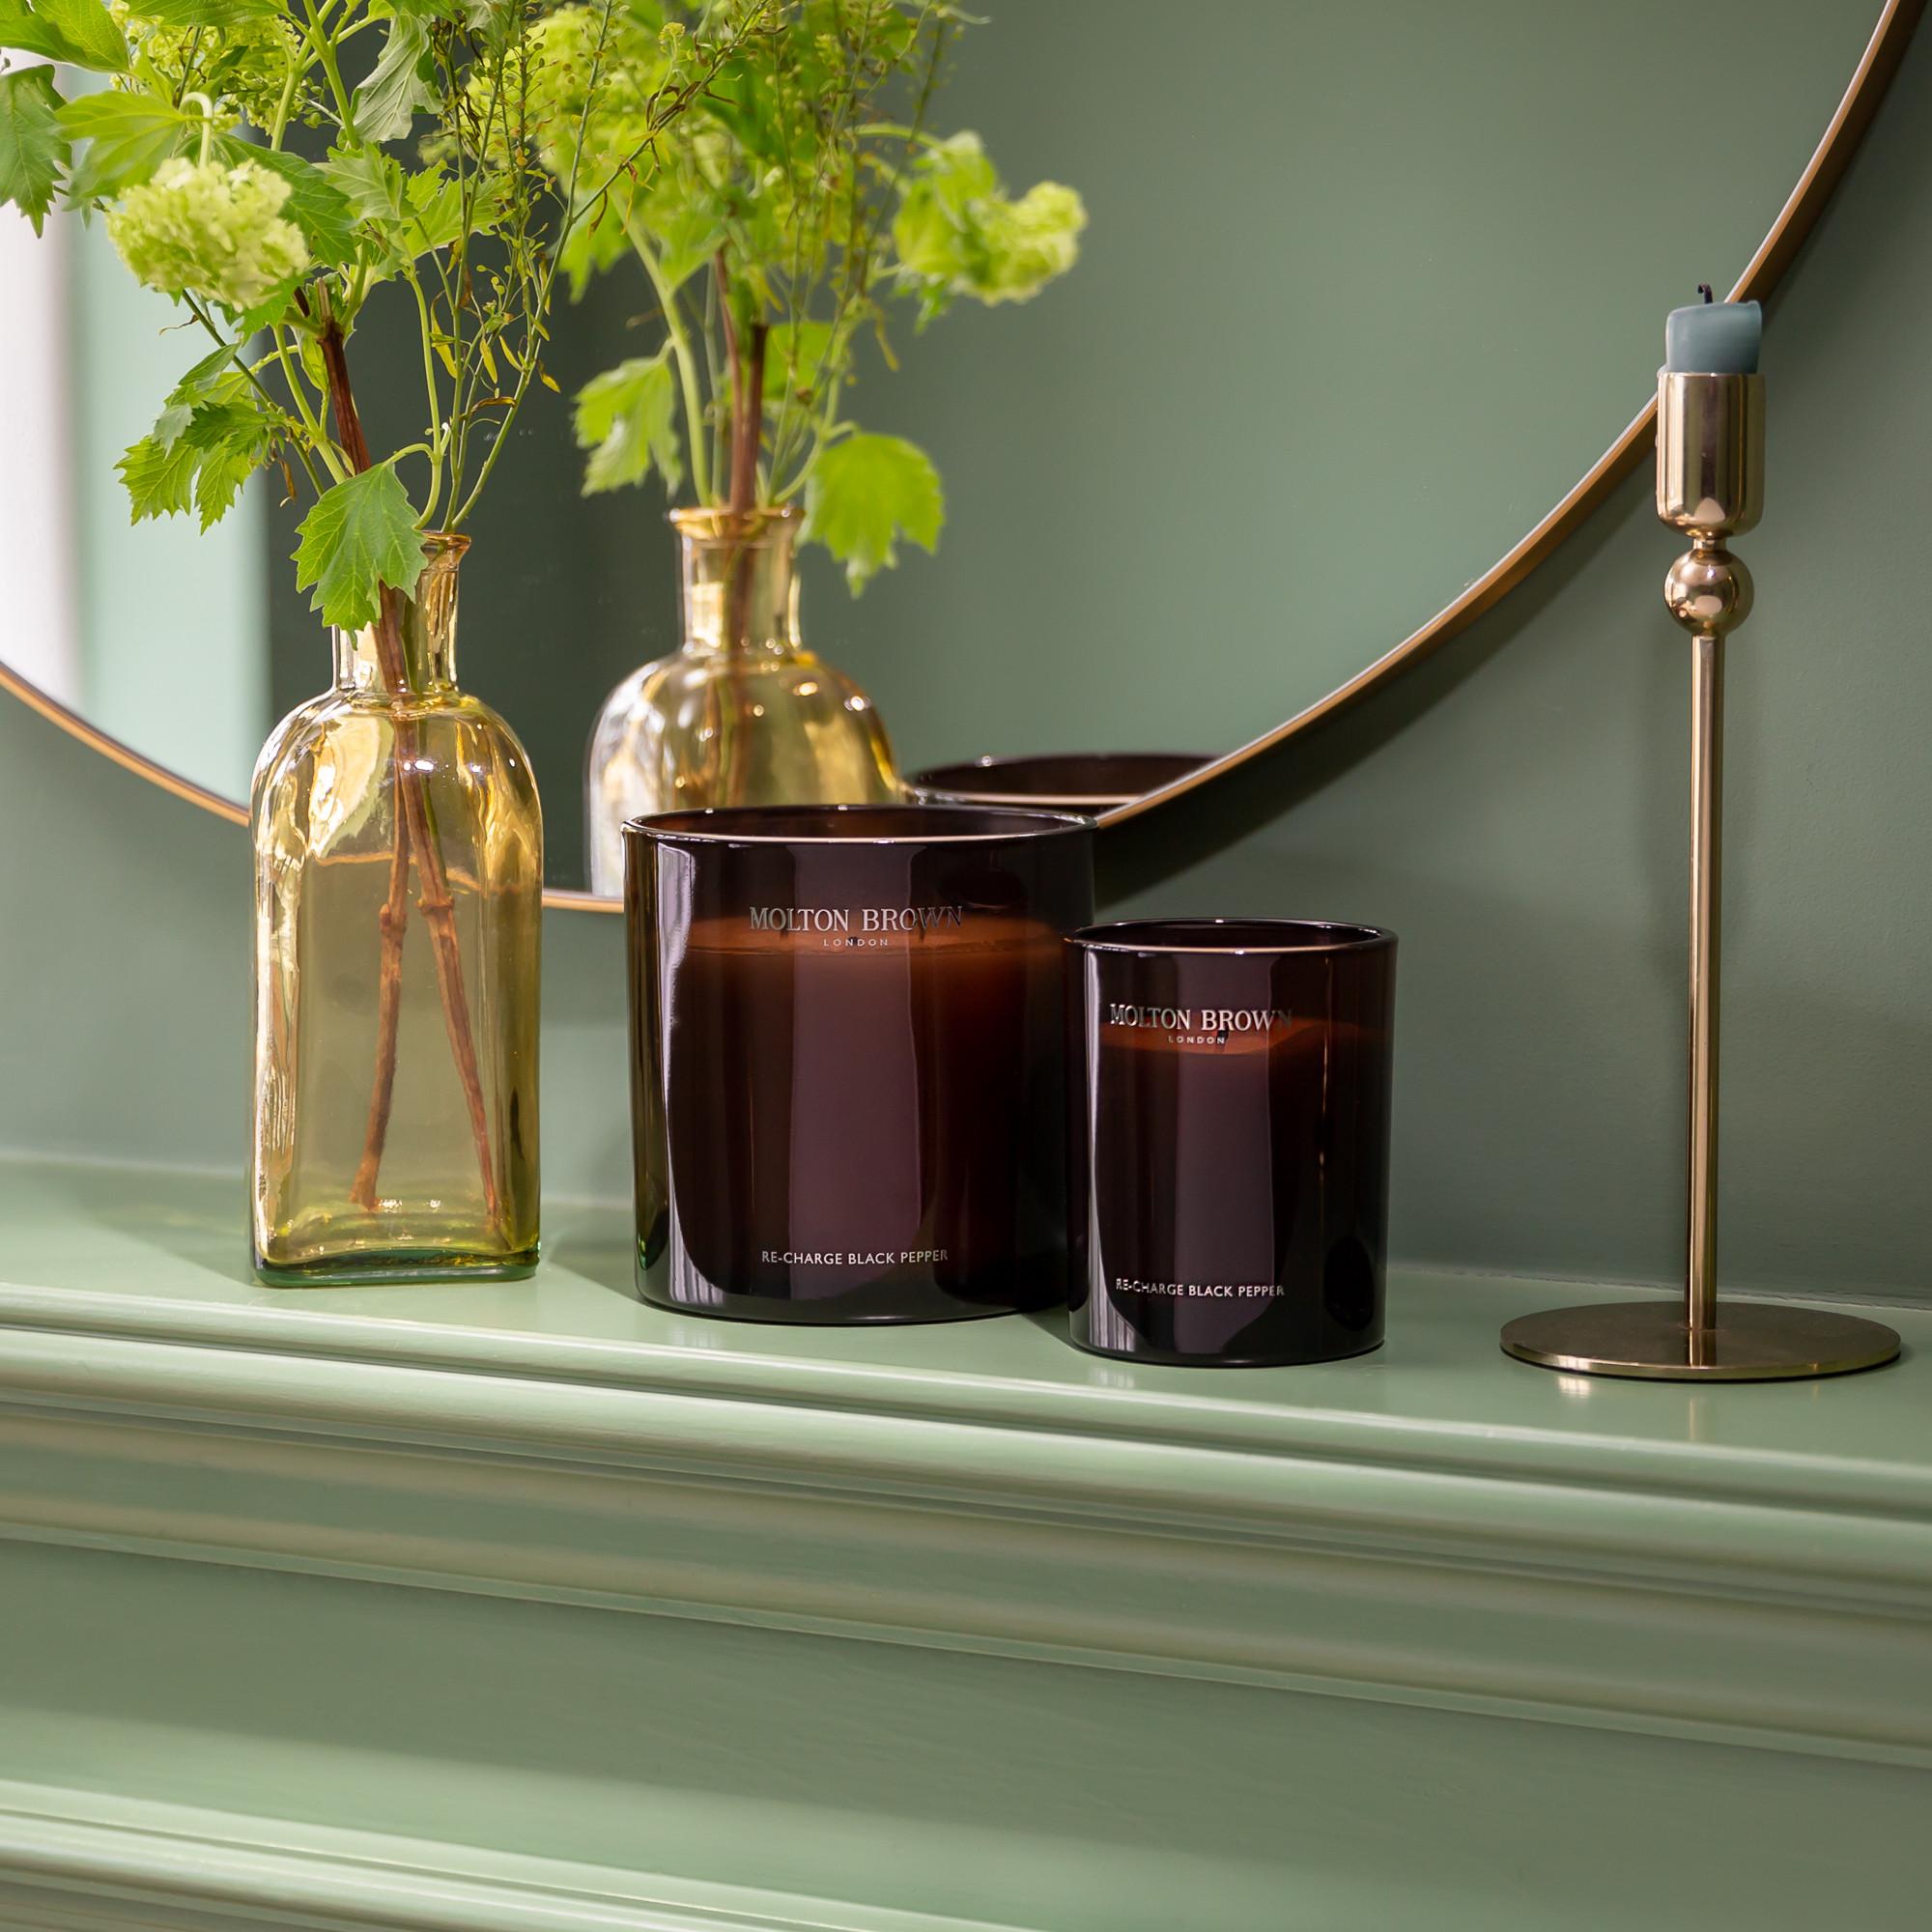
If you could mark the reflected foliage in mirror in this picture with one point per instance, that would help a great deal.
(1360, 295)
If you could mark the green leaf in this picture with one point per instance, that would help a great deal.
(386, 104)
(371, 183)
(361, 535)
(627, 418)
(80, 32)
(403, 216)
(220, 15)
(232, 440)
(212, 436)
(794, 355)
(742, 99)
(435, 200)
(864, 494)
(315, 204)
(128, 137)
(596, 242)
(686, 217)
(271, 309)
(211, 380)
(219, 480)
(33, 149)
(160, 477)
(210, 373)
(170, 425)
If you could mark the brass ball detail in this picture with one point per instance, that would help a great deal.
(1707, 589)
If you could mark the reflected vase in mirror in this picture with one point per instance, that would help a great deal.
(398, 905)
(742, 713)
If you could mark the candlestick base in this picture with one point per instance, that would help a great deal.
(1649, 1341)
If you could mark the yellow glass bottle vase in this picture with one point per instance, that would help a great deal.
(398, 925)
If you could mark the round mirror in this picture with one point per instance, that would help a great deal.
(1364, 292)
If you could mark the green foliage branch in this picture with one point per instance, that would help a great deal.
(804, 203)
(441, 178)
(439, 181)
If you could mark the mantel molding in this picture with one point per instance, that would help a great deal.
(613, 1616)
(1693, 1592)
(83, 1861)
(1431, 1526)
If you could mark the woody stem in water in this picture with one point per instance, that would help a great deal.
(745, 362)
(414, 836)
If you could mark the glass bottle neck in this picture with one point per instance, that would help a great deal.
(415, 652)
(737, 587)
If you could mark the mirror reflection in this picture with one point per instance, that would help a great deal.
(1195, 360)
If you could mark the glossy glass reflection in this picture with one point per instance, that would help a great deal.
(850, 1042)
(1231, 1139)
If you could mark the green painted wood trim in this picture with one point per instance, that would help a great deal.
(82, 1861)
(1432, 1526)
(555, 1388)
(1786, 1628)
(1801, 1528)
(133, 1273)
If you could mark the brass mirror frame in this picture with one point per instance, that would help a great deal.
(1849, 123)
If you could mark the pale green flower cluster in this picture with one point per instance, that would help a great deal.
(959, 233)
(1031, 240)
(247, 63)
(201, 229)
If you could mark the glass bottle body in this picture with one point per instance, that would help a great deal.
(742, 713)
(398, 904)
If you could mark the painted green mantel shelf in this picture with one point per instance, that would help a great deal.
(307, 1598)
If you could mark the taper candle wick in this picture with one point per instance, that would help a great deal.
(1704, 290)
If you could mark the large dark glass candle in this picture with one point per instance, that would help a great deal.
(850, 1059)
(1231, 1131)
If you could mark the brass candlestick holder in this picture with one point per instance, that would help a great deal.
(1709, 484)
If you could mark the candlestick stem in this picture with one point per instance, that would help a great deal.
(1709, 485)
(1707, 831)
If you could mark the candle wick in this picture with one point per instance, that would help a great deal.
(1704, 290)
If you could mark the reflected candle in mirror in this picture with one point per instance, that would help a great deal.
(850, 1067)
(1230, 1138)
(1089, 782)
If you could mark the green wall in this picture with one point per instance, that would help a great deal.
(1514, 810)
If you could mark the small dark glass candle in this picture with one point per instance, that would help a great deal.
(849, 1078)
(1231, 1139)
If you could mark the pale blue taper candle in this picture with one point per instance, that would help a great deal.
(1713, 338)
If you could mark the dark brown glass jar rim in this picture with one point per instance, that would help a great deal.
(854, 825)
(1153, 937)
(1056, 781)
